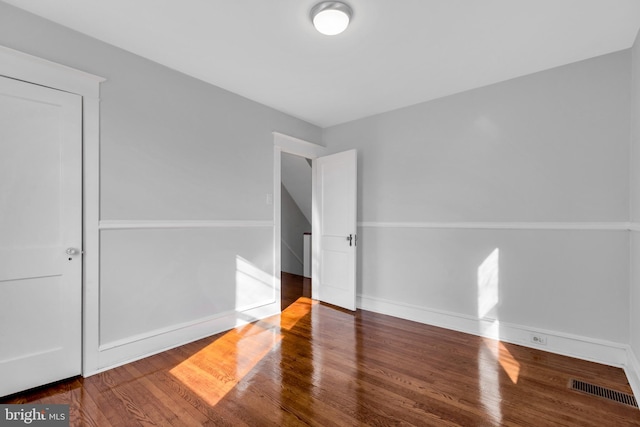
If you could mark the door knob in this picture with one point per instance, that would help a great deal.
(71, 251)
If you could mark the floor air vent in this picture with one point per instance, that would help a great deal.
(606, 393)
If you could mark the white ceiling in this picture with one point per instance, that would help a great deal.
(395, 53)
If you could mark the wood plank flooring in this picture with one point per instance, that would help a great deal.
(318, 365)
(293, 287)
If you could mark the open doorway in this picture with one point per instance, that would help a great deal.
(306, 152)
(333, 219)
(295, 228)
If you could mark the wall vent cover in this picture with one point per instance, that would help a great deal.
(607, 393)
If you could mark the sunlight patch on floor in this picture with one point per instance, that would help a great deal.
(489, 384)
(215, 370)
(503, 356)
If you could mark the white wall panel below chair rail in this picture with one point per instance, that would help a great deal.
(168, 282)
(571, 280)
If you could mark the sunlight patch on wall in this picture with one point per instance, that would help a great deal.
(488, 285)
(488, 299)
(493, 356)
(254, 287)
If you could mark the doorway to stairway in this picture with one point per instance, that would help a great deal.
(295, 227)
(333, 219)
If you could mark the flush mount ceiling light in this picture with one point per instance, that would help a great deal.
(331, 17)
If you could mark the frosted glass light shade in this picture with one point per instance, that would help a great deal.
(331, 17)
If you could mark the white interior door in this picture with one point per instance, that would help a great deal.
(335, 201)
(40, 235)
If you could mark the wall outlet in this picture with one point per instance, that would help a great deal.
(539, 339)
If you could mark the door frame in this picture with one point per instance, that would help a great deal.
(31, 69)
(288, 144)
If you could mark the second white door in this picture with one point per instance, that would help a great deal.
(335, 201)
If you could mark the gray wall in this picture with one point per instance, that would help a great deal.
(294, 225)
(172, 149)
(296, 177)
(635, 200)
(443, 184)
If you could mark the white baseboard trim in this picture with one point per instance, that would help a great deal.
(632, 370)
(594, 350)
(112, 355)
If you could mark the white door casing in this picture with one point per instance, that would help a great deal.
(288, 144)
(40, 218)
(336, 201)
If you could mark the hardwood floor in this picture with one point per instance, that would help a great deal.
(318, 365)
(293, 287)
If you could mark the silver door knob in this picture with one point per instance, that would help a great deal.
(71, 251)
